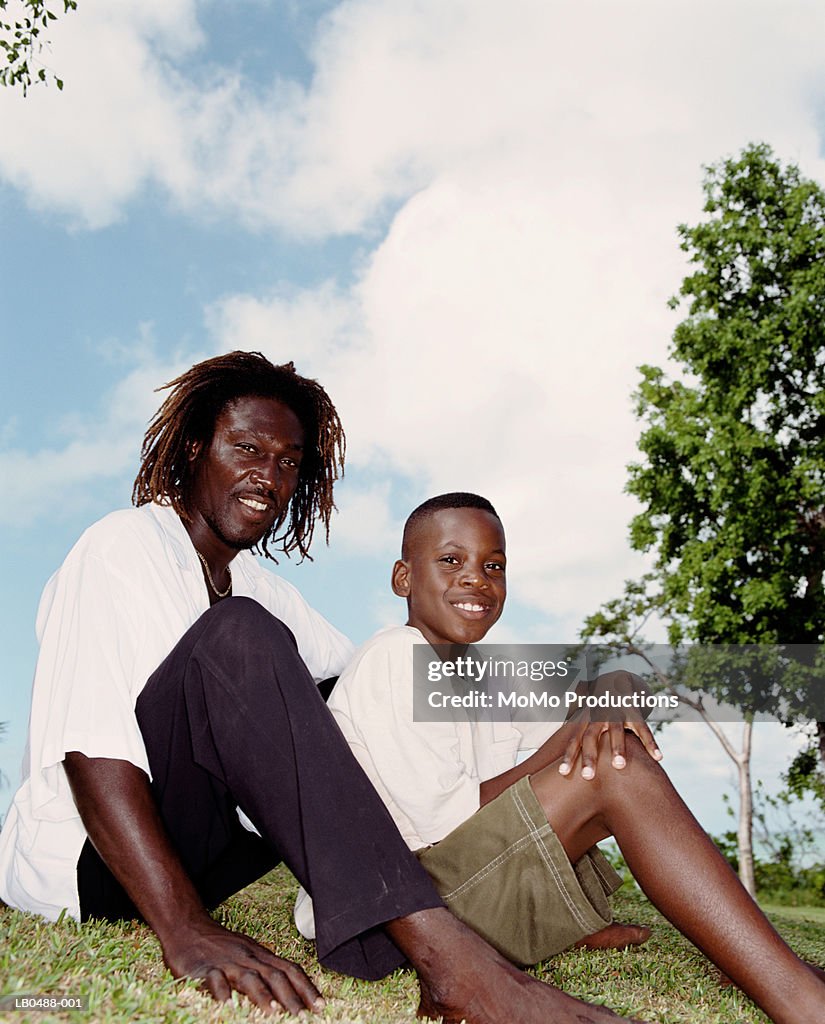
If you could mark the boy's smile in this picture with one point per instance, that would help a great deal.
(454, 575)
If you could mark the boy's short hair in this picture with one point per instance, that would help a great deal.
(455, 499)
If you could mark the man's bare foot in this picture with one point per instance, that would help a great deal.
(462, 978)
(534, 1002)
(615, 936)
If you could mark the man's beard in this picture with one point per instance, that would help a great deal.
(237, 544)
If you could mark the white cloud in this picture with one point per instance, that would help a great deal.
(540, 155)
(117, 125)
(78, 462)
(308, 327)
(492, 339)
(405, 92)
(474, 353)
(97, 447)
(365, 524)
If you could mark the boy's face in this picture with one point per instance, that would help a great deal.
(454, 575)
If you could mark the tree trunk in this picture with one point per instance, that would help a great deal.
(745, 830)
(742, 760)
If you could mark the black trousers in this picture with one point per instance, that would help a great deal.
(233, 718)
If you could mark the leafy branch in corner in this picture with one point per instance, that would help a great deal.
(22, 38)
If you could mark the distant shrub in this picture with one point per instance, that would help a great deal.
(780, 879)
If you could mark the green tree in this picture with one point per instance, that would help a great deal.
(618, 629)
(22, 37)
(805, 777)
(732, 480)
(732, 474)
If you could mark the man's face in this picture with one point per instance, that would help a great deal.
(244, 478)
(454, 575)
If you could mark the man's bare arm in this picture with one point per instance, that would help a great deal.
(120, 815)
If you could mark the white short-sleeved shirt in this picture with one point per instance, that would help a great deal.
(127, 592)
(427, 773)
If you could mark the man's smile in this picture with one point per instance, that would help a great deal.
(255, 504)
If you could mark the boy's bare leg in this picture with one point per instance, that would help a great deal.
(724, 980)
(683, 874)
(463, 978)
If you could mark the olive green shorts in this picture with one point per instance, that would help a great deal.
(504, 873)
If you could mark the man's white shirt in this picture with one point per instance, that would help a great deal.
(126, 593)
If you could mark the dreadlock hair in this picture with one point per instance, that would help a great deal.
(188, 415)
(455, 499)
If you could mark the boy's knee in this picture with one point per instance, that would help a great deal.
(639, 765)
(635, 750)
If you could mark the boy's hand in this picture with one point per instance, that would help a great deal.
(585, 734)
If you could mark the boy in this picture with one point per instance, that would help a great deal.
(510, 847)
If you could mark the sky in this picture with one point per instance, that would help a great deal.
(459, 215)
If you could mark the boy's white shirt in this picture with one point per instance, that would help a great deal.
(427, 773)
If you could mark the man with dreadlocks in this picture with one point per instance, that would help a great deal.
(166, 717)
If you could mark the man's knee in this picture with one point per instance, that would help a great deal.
(237, 652)
(242, 621)
(245, 650)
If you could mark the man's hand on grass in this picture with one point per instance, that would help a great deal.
(230, 961)
(119, 811)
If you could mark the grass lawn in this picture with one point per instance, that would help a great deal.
(118, 969)
(816, 915)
